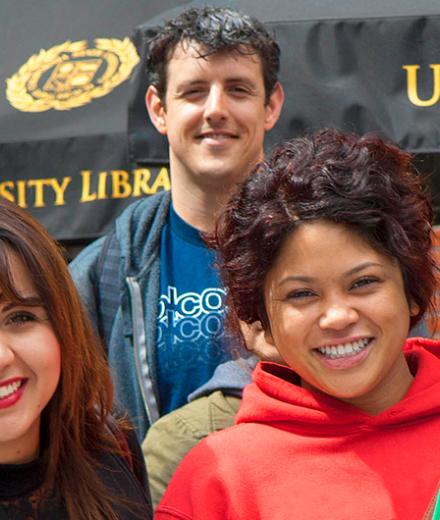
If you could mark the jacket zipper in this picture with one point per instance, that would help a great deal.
(140, 351)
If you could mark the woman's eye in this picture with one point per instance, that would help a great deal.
(365, 282)
(300, 294)
(20, 318)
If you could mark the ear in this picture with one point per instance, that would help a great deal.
(156, 110)
(414, 309)
(274, 106)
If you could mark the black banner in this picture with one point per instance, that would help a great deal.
(73, 78)
(66, 68)
(77, 198)
(363, 68)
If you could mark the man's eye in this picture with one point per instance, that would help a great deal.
(365, 282)
(193, 92)
(239, 90)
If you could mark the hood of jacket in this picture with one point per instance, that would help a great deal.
(230, 377)
(139, 230)
(275, 398)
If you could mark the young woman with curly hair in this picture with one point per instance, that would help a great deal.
(328, 245)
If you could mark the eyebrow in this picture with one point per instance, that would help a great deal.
(240, 79)
(234, 79)
(351, 272)
(25, 301)
(191, 82)
(362, 266)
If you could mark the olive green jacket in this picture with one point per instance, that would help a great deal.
(171, 437)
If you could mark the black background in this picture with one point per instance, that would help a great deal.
(341, 66)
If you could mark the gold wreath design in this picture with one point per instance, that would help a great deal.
(20, 98)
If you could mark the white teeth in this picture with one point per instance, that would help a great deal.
(346, 349)
(6, 391)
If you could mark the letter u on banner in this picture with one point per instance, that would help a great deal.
(411, 84)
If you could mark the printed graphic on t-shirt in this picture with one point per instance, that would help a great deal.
(190, 324)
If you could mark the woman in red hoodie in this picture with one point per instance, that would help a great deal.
(328, 245)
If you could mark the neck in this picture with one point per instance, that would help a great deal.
(200, 207)
(200, 195)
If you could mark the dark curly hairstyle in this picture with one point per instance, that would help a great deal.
(361, 182)
(215, 29)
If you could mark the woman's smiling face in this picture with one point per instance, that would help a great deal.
(30, 367)
(338, 314)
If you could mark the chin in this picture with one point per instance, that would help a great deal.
(216, 175)
(346, 393)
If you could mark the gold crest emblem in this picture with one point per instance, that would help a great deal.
(71, 74)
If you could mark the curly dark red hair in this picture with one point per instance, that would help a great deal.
(361, 182)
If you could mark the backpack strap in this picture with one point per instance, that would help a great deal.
(108, 288)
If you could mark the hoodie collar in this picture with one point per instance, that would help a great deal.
(276, 398)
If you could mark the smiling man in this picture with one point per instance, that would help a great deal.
(151, 287)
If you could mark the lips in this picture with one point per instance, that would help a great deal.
(344, 349)
(345, 355)
(11, 390)
(217, 136)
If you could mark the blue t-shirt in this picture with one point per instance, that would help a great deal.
(190, 337)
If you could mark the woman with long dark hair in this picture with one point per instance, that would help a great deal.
(62, 455)
(328, 245)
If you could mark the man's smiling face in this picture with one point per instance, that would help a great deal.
(214, 114)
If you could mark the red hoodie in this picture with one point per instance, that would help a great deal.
(300, 455)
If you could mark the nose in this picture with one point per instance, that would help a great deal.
(215, 106)
(338, 316)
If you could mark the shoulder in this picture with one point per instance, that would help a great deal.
(120, 480)
(139, 227)
(135, 214)
(201, 483)
(198, 417)
(86, 259)
(216, 444)
(188, 422)
(144, 208)
(222, 410)
(170, 439)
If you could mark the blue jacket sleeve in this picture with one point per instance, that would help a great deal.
(84, 273)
